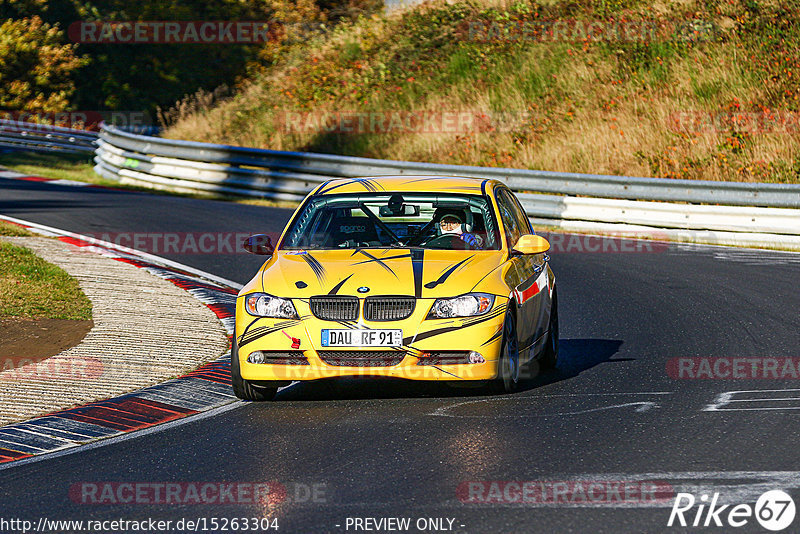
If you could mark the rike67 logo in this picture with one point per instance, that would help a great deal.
(774, 510)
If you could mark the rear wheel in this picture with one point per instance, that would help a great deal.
(508, 374)
(244, 389)
(550, 354)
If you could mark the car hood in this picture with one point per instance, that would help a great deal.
(423, 273)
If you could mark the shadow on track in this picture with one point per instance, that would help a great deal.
(575, 356)
(25, 187)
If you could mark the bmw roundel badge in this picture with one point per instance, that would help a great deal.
(363, 289)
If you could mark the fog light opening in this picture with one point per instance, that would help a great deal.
(475, 357)
(257, 357)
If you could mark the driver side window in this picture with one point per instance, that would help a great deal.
(510, 222)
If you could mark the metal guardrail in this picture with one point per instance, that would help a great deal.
(45, 138)
(768, 213)
(647, 202)
(252, 170)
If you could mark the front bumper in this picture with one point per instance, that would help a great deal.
(302, 337)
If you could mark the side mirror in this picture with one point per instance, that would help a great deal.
(260, 244)
(531, 244)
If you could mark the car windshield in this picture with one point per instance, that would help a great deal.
(426, 220)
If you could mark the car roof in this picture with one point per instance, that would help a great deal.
(418, 184)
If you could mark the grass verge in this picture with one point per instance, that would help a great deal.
(56, 166)
(33, 288)
(13, 230)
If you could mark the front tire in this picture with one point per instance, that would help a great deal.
(242, 388)
(508, 372)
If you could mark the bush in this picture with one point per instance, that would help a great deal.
(37, 72)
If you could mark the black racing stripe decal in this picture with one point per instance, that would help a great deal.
(368, 184)
(425, 179)
(446, 274)
(481, 280)
(395, 257)
(499, 333)
(446, 372)
(246, 328)
(258, 333)
(338, 286)
(332, 187)
(316, 266)
(431, 333)
(417, 257)
(379, 261)
(496, 313)
(374, 184)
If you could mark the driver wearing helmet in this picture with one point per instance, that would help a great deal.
(451, 222)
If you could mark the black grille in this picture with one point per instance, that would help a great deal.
(362, 358)
(335, 308)
(388, 308)
(444, 358)
(285, 357)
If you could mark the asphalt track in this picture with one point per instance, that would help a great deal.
(610, 412)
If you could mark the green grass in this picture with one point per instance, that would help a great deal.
(13, 230)
(56, 166)
(31, 287)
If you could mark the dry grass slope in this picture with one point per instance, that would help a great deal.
(710, 92)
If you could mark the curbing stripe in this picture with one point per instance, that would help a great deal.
(34, 440)
(7, 455)
(17, 446)
(72, 430)
(46, 429)
(206, 388)
(13, 175)
(132, 256)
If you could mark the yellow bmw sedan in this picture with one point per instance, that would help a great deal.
(415, 277)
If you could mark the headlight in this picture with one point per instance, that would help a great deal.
(264, 305)
(463, 306)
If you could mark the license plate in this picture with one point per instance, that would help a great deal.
(362, 338)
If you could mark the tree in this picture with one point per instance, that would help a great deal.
(36, 68)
